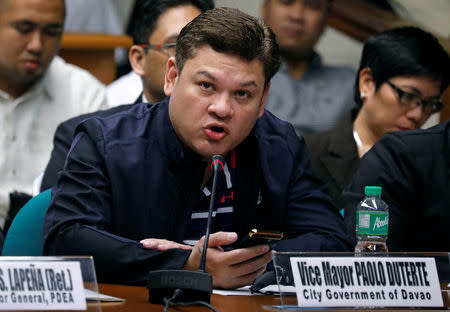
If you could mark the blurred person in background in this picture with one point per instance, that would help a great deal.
(38, 90)
(310, 95)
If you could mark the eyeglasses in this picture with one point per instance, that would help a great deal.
(167, 48)
(411, 100)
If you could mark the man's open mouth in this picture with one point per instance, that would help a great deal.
(217, 129)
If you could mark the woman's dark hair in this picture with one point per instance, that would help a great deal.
(403, 51)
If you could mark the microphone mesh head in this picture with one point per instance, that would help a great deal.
(217, 162)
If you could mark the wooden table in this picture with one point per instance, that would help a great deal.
(137, 300)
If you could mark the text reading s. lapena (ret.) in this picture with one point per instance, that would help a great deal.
(37, 285)
(366, 281)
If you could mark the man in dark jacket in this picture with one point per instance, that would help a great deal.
(143, 175)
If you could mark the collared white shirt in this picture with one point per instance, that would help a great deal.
(124, 90)
(28, 123)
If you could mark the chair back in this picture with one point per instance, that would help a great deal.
(24, 237)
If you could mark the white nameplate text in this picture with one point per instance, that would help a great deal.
(366, 282)
(41, 285)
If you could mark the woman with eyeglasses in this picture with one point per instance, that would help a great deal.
(402, 75)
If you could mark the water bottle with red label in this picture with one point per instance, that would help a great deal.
(372, 222)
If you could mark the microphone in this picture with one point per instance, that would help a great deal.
(183, 285)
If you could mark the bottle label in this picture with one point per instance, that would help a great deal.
(372, 222)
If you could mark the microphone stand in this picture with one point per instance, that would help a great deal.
(183, 285)
(217, 161)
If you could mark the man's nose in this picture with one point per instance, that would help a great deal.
(222, 106)
(35, 43)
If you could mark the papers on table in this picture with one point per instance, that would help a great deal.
(96, 296)
(245, 291)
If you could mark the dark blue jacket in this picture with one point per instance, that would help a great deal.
(63, 139)
(127, 177)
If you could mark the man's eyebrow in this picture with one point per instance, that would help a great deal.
(250, 83)
(24, 21)
(204, 73)
(54, 25)
(34, 24)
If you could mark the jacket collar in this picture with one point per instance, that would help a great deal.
(176, 152)
(342, 158)
(341, 137)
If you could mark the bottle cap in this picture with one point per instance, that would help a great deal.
(372, 190)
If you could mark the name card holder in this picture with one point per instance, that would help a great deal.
(375, 280)
(46, 283)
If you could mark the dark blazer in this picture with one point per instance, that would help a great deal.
(334, 155)
(128, 177)
(413, 169)
(63, 139)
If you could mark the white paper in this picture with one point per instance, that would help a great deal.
(245, 291)
(96, 296)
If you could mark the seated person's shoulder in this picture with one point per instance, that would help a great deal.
(122, 122)
(72, 123)
(341, 74)
(318, 141)
(419, 141)
(62, 73)
(271, 127)
(344, 70)
(278, 138)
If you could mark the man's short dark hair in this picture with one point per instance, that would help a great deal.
(231, 31)
(404, 51)
(147, 12)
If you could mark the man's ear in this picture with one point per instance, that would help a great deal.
(171, 76)
(136, 55)
(263, 100)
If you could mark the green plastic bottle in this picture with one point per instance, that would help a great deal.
(372, 221)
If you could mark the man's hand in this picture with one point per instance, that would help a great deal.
(230, 269)
(162, 244)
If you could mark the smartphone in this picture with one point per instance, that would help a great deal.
(259, 237)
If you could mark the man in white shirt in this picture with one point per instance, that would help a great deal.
(37, 92)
